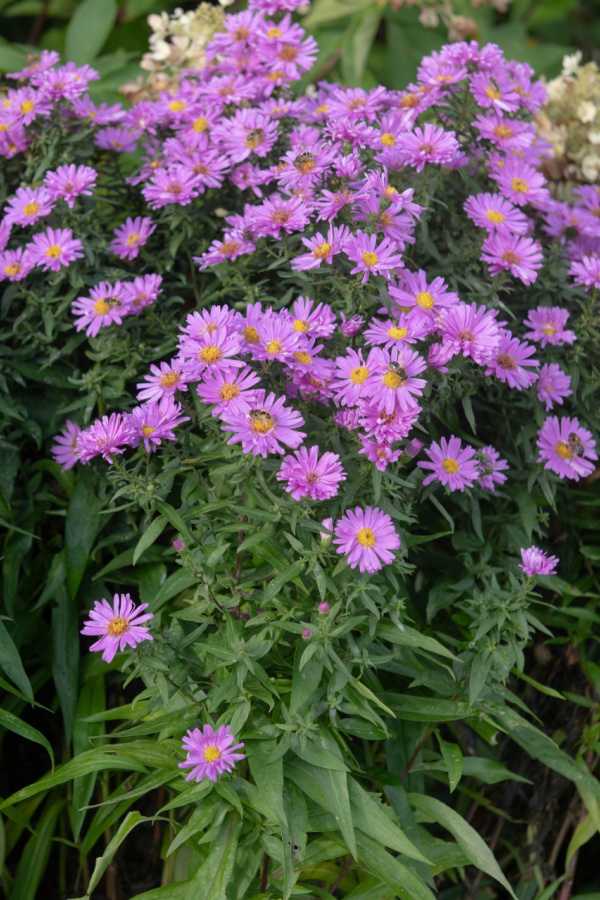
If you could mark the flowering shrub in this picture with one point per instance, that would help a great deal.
(320, 372)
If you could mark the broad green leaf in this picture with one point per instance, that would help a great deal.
(172, 516)
(409, 637)
(489, 771)
(268, 775)
(454, 761)
(335, 788)
(65, 656)
(81, 527)
(214, 875)
(36, 853)
(584, 832)
(200, 819)
(90, 702)
(472, 845)
(10, 662)
(378, 861)
(368, 815)
(428, 709)
(305, 680)
(151, 534)
(13, 723)
(88, 29)
(102, 863)
(542, 688)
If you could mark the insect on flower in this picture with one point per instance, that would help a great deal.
(575, 444)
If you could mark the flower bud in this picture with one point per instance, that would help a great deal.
(178, 545)
(326, 538)
(306, 634)
(414, 447)
(351, 326)
(324, 607)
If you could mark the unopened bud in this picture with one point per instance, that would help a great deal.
(414, 447)
(324, 607)
(325, 537)
(306, 634)
(178, 545)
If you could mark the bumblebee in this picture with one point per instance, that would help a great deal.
(575, 444)
(113, 302)
(261, 415)
(303, 158)
(254, 137)
(399, 370)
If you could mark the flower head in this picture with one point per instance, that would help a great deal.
(547, 325)
(491, 468)
(511, 362)
(119, 625)
(370, 257)
(566, 448)
(553, 385)
(65, 451)
(69, 182)
(307, 475)
(130, 236)
(265, 427)
(367, 537)
(105, 437)
(536, 562)
(451, 463)
(153, 422)
(209, 753)
(54, 248)
(27, 206)
(520, 255)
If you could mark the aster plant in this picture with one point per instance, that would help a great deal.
(294, 363)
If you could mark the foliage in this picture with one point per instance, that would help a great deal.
(382, 733)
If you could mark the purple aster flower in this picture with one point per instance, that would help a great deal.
(586, 272)
(104, 305)
(209, 753)
(265, 427)
(130, 236)
(496, 213)
(314, 321)
(352, 372)
(452, 464)
(537, 562)
(566, 448)
(212, 350)
(119, 625)
(429, 144)
(207, 321)
(351, 326)
(553, 385)
(520, 255)
(308, 476)
(370, 257)
(27, 206)
(105, 437)
(247, 132)
(68, 182)
(141, 292)
(348, 419)
(65, 451)
(387, 427)
(490, 468)
(377, 452)
(406, 330)
(46, 60)
(472, 331)
(506, 134)
(177, 184)
(229, 389)
(54, 248)
(415, 291)
(511, 362)
(322, 249)
(15, 264)
(279, 338)
(121, 140)
(414, 447)
(520, 182)
(277, 213)
(23, 106)
(495, 91)
(367, 537)
(547, 325)
(163, 381)
(392, 384)
(153, 422)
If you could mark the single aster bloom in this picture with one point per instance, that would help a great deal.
(352, 372)
(177, 184)
(163, 381)
(405, 330)
(213, 350)
(379, 453)
(209, 753)
(65, 451)
(553, 385)
(314, 321)
(69, 182)
(387, 427)
(512, 363)
(351, 326)
(54, 248)
(307, 475)
(452, 464)
(140, 293)
(130, 236)
(393, 383)
(229, 389)
(27, 206)
(277, 213)
(265, 427)
(153, 422)
(429, 144)
(566, 448)
(520, 182)
(119, 625)
(472, 331)
(104, 306)
(120, 140)
(520, 255)
(15, 264)
(537, 562)
(506, 134)
(367, 537)
(105, 437)
(490, 468)
(547, 325)
(416, 292)
(206, 321)
(279, 338)
(495, 213)
(371, 258)
(586, 272)
(321, 249)
(495, 91)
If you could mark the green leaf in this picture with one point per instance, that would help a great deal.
(81, 527)
(375, 859)
(472, 845)
(102, 862)
(410, 637)
(65, 656)
(268, 775)
(428, 709)
(489, 771)
(13, 723)
(36, 853)
(335, 788)
(90, 702)
(368, 815)
(454, 760)
(151, 534)
(215, 873)
(305, 680)
(10, 662)
(584, 832)
(88, 29)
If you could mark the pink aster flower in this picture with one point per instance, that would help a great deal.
(393, 334)
(308, 476)
(490, 468)
(586, 272)
(69, 182)
(393, 384)
(163, 381)
(130, 236)
(229, 389)
(495, 91)
(367, 537)
(209, 753)
(512, 363)
(416, 291)
(553, 385)
(496, 213)
(351, 326)
(27, 206)
(177, 184)
(429, 144)
(105, 437)
(213, 350)
(265, 427)
(377, 452)
(547, 325)
(506, 134)
(370, 257)
(321, 249)
(566, 448)
(104, 306)
(54, 248)
(452, 464)
(141, 292)
(352, 372)
(520, 255)
(119, 625)
(314, 321)
(348, 419)
(206, 321)
(15, 264)
(387, 427)
(537, 562)
(120, 140)
(472, 331)
(65, 451)
(279, 338)
(153, 422)
(520, 182)
(277, 213)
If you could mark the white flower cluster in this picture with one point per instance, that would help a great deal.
(179, 40)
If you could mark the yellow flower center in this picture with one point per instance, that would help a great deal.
(53, 251)
(323, 108)
(548, 328)
(262, 425)
(303, 357)
(492, 215)
(322, 250)
(563, 450)
(392, 380)
(425, 299)
(397, 333)
(370, 259)
(366, 537)
(177, 105)
(387, 139)
(280, 216)
(390, 191)
(492, 93)
(274, 32)
(170, 379)
(13, 269)
(31, 208)
(211, 754)
(503, 131)
(358, 375)
(274, 347)
(101, 307)
(275, 76)
(305, 167)
(133, 239)
(228, 248)
(450, 466)
(385, 220)
(27, 106)
(210, 355)
(228, 391)
(301, 325)
(251, 335)
(519, 186)
(117, 626)
(200, 124)
(147, 430)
